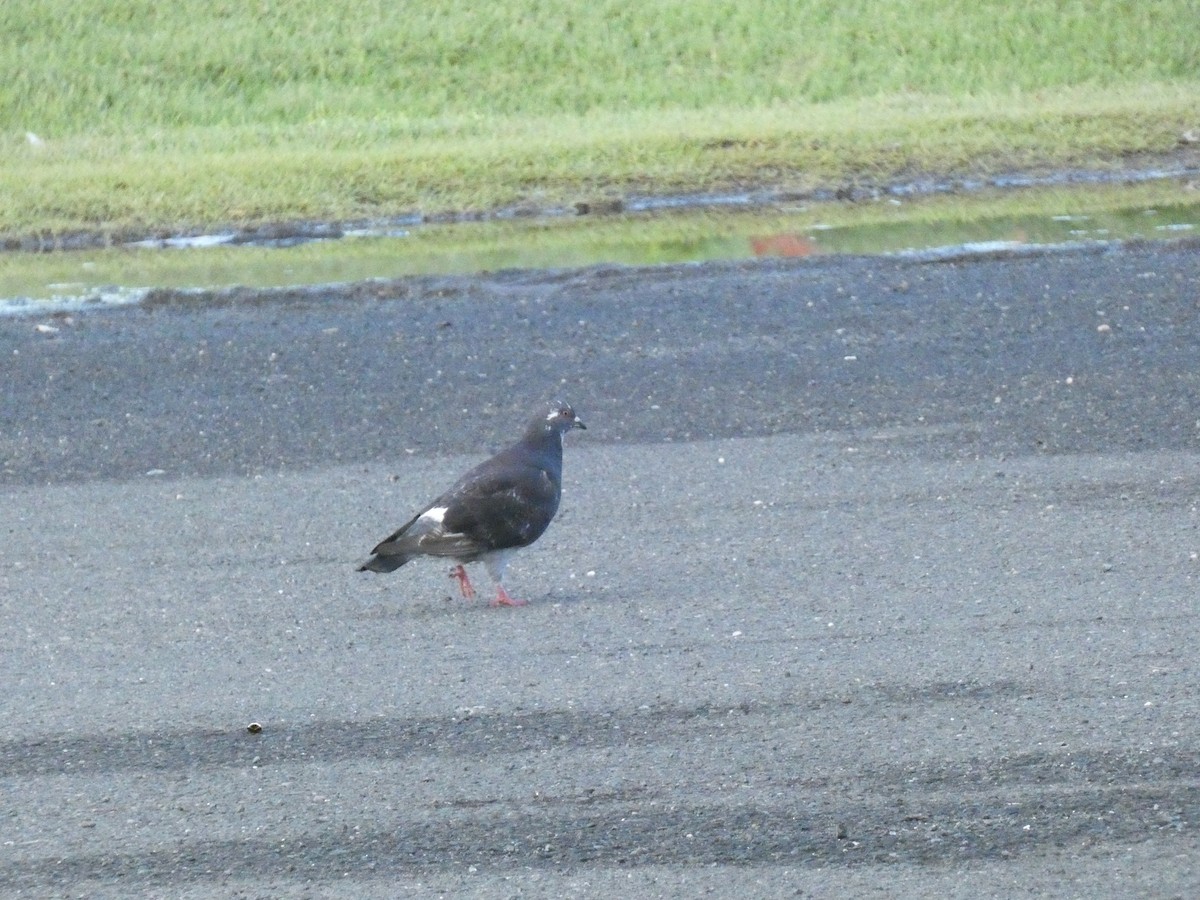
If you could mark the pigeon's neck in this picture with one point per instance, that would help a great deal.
(545, 442)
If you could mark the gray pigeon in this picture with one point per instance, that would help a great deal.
(499, 506)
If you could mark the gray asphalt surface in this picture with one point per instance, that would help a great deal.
(871, 578)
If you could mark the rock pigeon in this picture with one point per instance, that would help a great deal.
(499, 506)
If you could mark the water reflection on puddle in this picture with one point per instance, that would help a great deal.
(43, 282)
(954, 238)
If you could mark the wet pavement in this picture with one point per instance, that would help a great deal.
(872, 576)
(98, 270)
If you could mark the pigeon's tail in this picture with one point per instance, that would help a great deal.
(382, 563)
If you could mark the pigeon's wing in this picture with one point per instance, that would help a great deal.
(426, 534)
(502, 507)
(489, 509)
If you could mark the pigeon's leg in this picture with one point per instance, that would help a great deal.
(503, 599)
(459, 573)
(496, 564)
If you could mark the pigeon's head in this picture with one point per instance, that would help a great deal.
(559, 417)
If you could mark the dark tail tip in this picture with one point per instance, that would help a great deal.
(382, 564)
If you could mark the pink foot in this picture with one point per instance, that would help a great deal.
(503, 599)
(464, 583)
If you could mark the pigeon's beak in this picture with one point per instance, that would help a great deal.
(579, 424)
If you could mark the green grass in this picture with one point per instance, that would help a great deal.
(195, 114)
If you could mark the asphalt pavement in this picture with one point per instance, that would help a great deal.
(872, 577)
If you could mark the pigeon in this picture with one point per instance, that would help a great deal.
(501, 505)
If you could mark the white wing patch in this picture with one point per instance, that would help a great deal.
(434, 516)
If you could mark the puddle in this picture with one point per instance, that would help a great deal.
(39, 283)
(290, 235)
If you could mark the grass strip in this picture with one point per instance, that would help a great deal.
(105, 185)
(193, 115)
